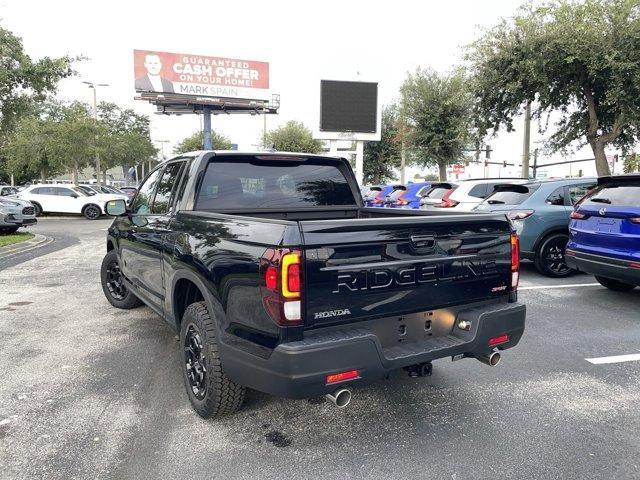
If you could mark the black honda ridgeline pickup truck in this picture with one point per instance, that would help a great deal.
(278, 279)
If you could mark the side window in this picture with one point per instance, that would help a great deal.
(142, 203)
(37, 191)
(163, 198)
(557, 197)
(576, 192)
(182, 180)
(479, 191)
(65, 192)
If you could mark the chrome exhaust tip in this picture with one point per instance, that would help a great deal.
(492, 359)
(340, 398)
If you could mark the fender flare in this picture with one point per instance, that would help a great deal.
(213, 304)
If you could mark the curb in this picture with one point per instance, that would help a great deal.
(36, 242)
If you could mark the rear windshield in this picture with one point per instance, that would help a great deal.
(397, 193)
(512, 194)
(371, 194)
(624, 194)
(437, 193)
(251, 183)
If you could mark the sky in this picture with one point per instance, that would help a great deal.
(303, 41)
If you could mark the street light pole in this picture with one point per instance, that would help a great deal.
(94, 86)
(162, 142)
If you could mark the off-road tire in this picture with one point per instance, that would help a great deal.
(221, 395)
(129, 300)
(8, 230)
(612, 284)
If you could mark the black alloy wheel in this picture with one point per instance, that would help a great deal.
(92, 212)
(195, 362)
(115, 283)
(550, 260)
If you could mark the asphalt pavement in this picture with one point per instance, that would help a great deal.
(89, 391)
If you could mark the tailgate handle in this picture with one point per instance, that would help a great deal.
(428, 241)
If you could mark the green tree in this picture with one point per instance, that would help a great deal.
(24, 80)
(195, 142)
(124, 139)
(56, 138)
(631, 163)
(293, 137)
(380, 158)
(24, 83)
(577, 59)
(73, 136)
(30, 150)
(437, 109)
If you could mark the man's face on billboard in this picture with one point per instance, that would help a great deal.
(153, 64)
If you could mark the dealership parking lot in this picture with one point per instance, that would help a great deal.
(88, 391)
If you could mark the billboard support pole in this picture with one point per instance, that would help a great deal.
(206, 127)
(359, 161)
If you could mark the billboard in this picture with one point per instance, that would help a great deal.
(200, 75)
(348, 110)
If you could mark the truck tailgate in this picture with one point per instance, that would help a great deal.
(377, 267)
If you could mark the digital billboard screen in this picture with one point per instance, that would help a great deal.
(348, 106)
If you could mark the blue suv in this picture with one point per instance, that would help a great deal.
(408, 196)
(605, 233)
(540, 213)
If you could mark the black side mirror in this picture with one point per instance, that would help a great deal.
(74, 195)
(116, 208)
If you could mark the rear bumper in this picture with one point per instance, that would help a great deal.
(298, 369)
(608, 267)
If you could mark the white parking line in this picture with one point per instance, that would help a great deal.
(541, 287)
(633, 357)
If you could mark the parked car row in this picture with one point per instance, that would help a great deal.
(605, 221)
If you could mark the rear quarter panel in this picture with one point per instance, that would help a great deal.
(224, 252)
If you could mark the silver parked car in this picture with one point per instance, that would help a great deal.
(15, 213)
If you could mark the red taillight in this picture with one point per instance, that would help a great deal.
(498, 340)
(446, 201)
(342, 376)
(515, 261)
(293, 278)
(635, 220)
(634, 265)
(282, 285)
(577, 215)
(271, 278)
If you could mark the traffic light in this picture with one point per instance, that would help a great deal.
(504, 164)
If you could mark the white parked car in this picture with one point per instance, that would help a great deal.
(470, 193)
(67, 199)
